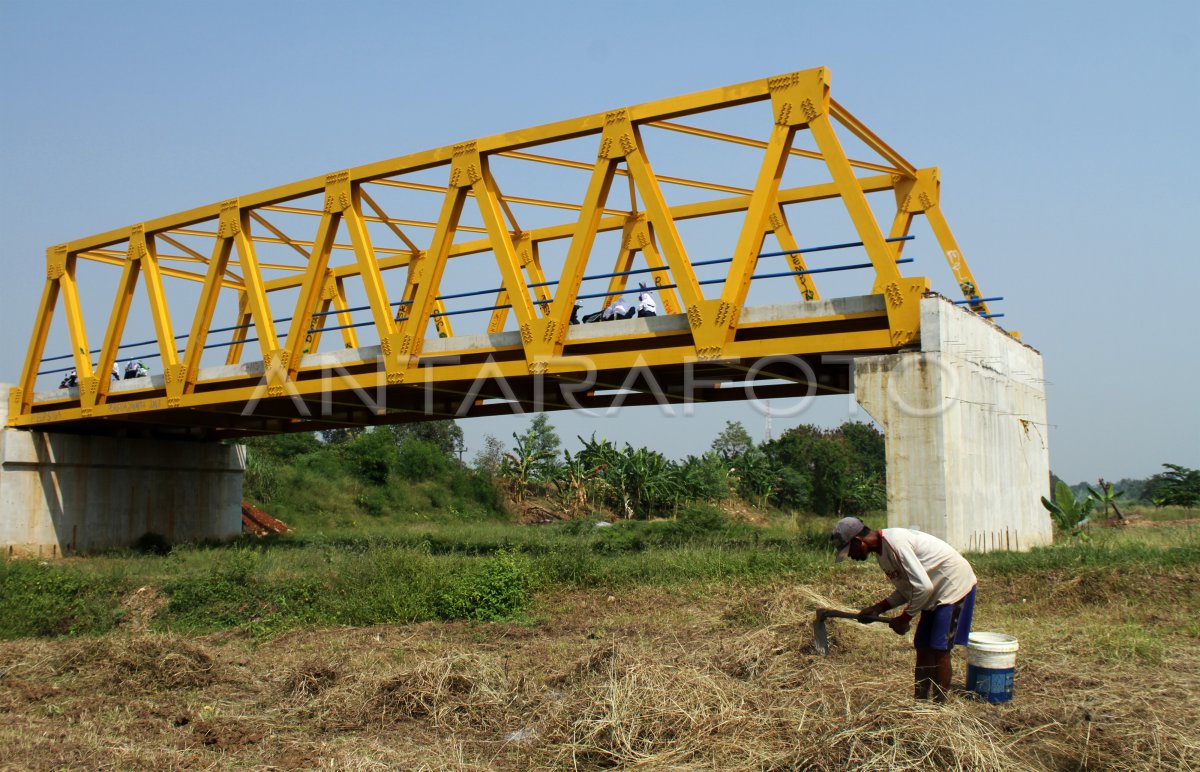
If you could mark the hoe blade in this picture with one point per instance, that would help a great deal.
(820, 637)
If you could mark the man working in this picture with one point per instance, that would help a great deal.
(930, 577)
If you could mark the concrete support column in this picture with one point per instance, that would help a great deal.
(63, 494)
(964, 421)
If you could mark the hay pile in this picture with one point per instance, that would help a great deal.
(654, 680)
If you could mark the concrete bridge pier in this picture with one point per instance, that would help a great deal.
(964, 421)
(64, 494)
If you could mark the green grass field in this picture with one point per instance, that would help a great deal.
(488, 570)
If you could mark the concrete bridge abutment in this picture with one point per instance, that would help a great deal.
(964, 421)
(65, 494)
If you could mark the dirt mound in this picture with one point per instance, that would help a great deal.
(736, 509)
(536, 514)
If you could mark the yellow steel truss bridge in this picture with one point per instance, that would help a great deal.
(347, 288)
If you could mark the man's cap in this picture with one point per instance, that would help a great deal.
(843, 533)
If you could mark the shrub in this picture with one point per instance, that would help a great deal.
(480, 489)
(385, 586)
(262, 481)
(420, 460)
(38, 598)
(371, 456)
(701, 518)
(373, 501)
(568, 563)
(498, 588)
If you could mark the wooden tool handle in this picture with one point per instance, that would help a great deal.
(829, 612)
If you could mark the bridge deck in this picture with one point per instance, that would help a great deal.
(635, 361)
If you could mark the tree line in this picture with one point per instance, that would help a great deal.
(410, 469)
(401, 468)
(824, 471)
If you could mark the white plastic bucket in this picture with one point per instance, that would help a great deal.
(991, 661)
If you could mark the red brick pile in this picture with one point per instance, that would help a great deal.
(259, 523)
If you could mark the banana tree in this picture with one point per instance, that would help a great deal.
(520, 467)
(1106, 497)
(1069, 514)
(573, 479)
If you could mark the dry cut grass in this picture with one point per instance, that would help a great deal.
(704, 678)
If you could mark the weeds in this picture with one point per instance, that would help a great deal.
(43, 599)
(498, 588)
(489, 571)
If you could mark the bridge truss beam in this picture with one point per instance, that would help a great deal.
(288, 243)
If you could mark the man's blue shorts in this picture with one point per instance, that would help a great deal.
(942, 627)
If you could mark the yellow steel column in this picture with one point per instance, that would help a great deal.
(488, 198)
(349, 336)
(159, 311)
(441, 322)
(21, 397)
(623, 264)
(258, 305)
(659, 215)
(240, 330)
(856, 204)
(641, 235)
(900, 225)
(719, 317)
(338, 198)
(954, 256)
(762, 203)
(902, 294)
(183, 378)
(922, 195)
(319, 315)
(552, 329)
(333, 294)
(377, 297)
(851, 193)
(787, 240)
(527, 254)
(64, 266)
(426, 274)
(499, 313)
(116, 320)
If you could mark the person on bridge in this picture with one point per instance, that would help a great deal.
(135, 369)
(646, 305)
(618, 309)
(930, 577)
(69, 380)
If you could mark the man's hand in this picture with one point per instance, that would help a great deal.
(870, 611)
(901, 624)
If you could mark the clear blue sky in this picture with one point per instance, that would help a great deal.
(1065, 133)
